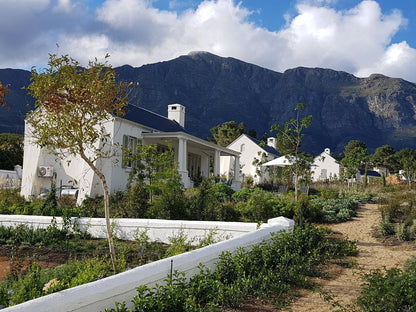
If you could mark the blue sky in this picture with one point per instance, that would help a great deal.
(357, 36)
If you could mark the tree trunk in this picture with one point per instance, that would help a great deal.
(296, 187)
(107, 222)
(101, 176)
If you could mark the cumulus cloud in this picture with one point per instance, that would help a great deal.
(358, 40)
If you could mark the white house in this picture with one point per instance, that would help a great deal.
(250, 150)
(192, 154)
(325, 167)
(11, 178)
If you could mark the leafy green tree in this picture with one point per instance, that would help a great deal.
(156, 180)
(73, 105)
(227, 132)
(355, 156)
(11, 150)
(289, 142)
(384, 157)
(407, 159)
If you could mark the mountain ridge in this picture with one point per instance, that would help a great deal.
(377, 109)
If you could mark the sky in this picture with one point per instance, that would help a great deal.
(356, 36)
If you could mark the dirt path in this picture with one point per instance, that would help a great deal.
(345, 283)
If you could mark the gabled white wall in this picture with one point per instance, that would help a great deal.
(71, 171)
(325, 167)
(246, 158)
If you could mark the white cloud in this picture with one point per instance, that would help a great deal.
(136, 33)
(64, 6)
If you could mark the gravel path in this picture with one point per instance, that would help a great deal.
(345, 283)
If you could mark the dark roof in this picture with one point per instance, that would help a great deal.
(266, 147)
(370, 173)
(152, 120)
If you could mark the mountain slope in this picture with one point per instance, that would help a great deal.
(377, 110)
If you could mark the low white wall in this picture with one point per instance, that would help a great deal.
(9, 179)
(102, 294)
(157, 230)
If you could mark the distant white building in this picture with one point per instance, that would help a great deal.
(325, 167)
(249, 149)
(193, 155)
(11, 178)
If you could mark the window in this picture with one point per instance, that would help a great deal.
(242, 147)
(129, 147)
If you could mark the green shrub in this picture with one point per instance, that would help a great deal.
(402, 232)
(328, 194)
(335, 210)
(36, 282)
(243, 195)
(273, 267)
(385, 227)
(390, 291)
(263, 205)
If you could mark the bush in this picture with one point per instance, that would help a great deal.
(273, 267)
(390, 291)
(263, 205)
(243, 195)
(37, 282)
(335, 210)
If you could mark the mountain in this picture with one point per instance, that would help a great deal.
(377, 110)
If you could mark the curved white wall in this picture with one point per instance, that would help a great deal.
(102, 294)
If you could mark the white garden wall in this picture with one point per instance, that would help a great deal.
(102, 294)
(158, 230)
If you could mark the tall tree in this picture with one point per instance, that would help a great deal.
(355, 156)
(11, 150)
(407, 159)
(384, 157)
(227, 132)
(289, 142)
(73, 105)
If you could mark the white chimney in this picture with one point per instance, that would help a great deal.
(177, 112)
(271, 142)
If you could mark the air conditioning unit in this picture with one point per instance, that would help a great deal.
(45, 171)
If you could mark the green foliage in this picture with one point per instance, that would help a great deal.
(154, 188)
(390, 291)
(77, 102)
(227, 132)
(11, 150)
(211, 201)
(50, 205)
(398, 212)
(244, 194)
(384, 156)
(355, 155)
(263, 205)
(328, 194)
(36, 282)
(178, 244)
(273, 267)
(24, 235)
(335, 210)
(407, 159)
